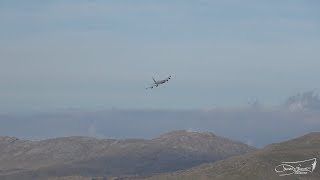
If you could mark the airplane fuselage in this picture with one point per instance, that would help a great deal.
(161, 82)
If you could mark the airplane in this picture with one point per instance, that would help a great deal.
(157, 83)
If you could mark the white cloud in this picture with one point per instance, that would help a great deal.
(250, 142)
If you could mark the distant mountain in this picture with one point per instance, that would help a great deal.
(86, 157)
(260, 164)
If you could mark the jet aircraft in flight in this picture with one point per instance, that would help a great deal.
(157, 83)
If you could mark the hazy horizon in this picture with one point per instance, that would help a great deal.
(253, 124)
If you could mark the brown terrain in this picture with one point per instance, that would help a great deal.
(257, 165)
(84, 157)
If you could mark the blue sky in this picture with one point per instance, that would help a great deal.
(102, 54)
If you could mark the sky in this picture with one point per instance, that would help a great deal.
(103, 54)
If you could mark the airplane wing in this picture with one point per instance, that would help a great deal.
(167, 79)
(151, 87)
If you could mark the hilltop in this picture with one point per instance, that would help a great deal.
(87, 157)
(256, 165)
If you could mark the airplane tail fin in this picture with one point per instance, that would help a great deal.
(154, 80)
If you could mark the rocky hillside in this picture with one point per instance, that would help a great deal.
(260, 164)
(87, 157)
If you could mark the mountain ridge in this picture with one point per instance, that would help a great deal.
(259, 164)
(87, 156)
